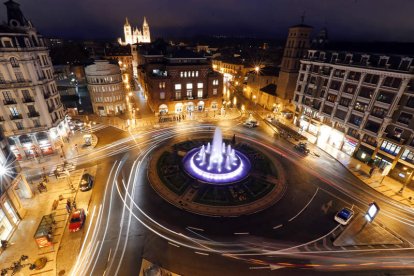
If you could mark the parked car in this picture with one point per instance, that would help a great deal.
(86, 182)
(77, 220)
(344, 216)
(302, 147)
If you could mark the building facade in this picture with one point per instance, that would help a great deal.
(232, 69)
(105, 88)
(13, 188)
(361, 104)
(179, 82)
(31, 113)
(135, 35)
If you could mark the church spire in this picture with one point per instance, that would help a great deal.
(126, 21)
(145, 21)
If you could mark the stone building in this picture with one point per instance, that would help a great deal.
(135, 35)
(31, 113)
(361, 104)
(179, 81)
(105, 88)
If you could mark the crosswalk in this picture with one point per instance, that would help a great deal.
(69, 166)
(94, 128)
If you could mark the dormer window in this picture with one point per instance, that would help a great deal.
(348, 58)
(14, 62)
(405, 63)
(364, 59)
(7, 42)
(383, 61)
(334, 57)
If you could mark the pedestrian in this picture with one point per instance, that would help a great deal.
(76, 148)
(371, 171)
(55, 172)
(68, 208)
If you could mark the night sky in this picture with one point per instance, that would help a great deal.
(385, 20)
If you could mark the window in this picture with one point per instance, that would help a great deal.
(14, 111)
(215, 82)
(392, 82)
(405, 118)
(369, 140)
(398, 132)
(36, 122)
(189, 87)
(14, 62)
(356, 120)
(7, 43)
(331, 98)
(366, 92)
(372, 126)
(345, 102)
(335, 85)
(215, 91)
(177, 86)
(354, 76)
(410, 102)
(391, 148)
(199, 90)
(372, 79)
(8, 96)
(196, 73)
(178, 95)
(162, 95)
(359, 106)
(350, 88)
(19, 76)
(161, 85)
(408, 156)
(19, 125)
(385, 97)
(378, 112)
(181, 74)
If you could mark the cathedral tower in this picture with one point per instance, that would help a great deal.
(128, 32)
(146, 37)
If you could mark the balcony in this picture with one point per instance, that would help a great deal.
(33, 114)
(28, 100)
(16, 117)
(15, 84)
(7, 102)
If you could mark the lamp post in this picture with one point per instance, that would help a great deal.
(409, 175)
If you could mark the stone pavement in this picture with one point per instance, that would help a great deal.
(71, 242)
(361, 232)
(23, 241)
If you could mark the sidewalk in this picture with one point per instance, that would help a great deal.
(23, 242)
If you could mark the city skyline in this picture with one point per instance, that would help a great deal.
(351, 20)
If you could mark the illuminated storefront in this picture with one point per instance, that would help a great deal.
(349, 146)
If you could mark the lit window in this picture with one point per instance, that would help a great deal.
(162, 95)
(177, 86)
(200, 85)
(215, 91)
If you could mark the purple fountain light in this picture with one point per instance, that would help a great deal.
(216, 163)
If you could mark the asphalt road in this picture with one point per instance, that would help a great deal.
(116, 239)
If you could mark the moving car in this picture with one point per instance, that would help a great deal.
(251, 124)
(77, 220)
(86, 182)
(344, 216)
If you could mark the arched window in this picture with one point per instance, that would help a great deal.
(14, 62)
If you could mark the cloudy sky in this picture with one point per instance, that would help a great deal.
(385, 20)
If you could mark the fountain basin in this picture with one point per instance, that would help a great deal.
(239, 169)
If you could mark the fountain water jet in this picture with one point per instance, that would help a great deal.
(216, 163)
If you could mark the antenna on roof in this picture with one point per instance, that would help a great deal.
(302, 18)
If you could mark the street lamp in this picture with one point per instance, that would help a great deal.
(408, 175)
(257, 68)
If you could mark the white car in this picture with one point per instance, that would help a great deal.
(344, 216)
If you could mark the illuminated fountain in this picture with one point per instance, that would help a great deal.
(216, 163)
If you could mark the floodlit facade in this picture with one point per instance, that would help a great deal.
(361, 104)
(135, 35)
(105, 88)
(179, 82)
(31, 113)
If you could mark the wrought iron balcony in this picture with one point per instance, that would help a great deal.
(16, 117)
(33, 114)
(7, 102)
(28, 100)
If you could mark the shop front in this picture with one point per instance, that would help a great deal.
(190, 107)
(44, 143)
(349, 146)
(28, 147)
(14, 149)
(403, 173)
(6, 227)
(178, 108)
(200, 106)
(363, 154)
(381, 161)
(313, 129)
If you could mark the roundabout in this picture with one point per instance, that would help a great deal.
(220, 178)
